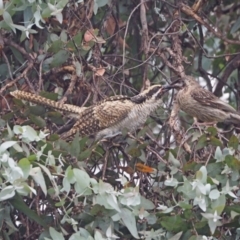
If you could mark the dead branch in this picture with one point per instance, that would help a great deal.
(187, 10)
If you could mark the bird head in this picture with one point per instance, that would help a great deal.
(153, 93)
(190, 81)
(184, 82)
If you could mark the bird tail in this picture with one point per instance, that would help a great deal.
(46, 102)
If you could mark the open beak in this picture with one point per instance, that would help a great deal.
(174, 85)
(166, 88)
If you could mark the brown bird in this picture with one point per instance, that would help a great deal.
(109, 117)
(204, 105)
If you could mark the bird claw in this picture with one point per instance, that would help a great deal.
(206, 124)
(203, 124)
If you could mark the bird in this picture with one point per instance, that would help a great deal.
(107, 118)
(204, 105)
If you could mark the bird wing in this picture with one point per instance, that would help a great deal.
(104, 114)
(206, 98)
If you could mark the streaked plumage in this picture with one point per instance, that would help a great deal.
(204, 105)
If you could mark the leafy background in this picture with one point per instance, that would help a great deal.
(165, 181)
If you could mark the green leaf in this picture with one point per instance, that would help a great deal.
(186, 189)
(66, 185)
(8, 116)
(39, 121)
(134, 152)
(20, 205)
(171, 182)
(36, 110)
(101, 3)
(212, 131)
(61, 203)
(56, 46)
(215, 142)
(32, 158)
(218, 155)
(75, 42)
(8, 20)
(235, 26)
(85, 154)
(2, 124)
(49, 95)
(37, 175)
(146, 204)
(232, 162)
(112, 201)
(219, 204)
(7, 192)
(55, 117)
(25, 165)
(201, 174)
(82, 180)
(27, 132)
(185, 205)
(173, 160)
(75, 146)
(202, 142)
(6, 218)
(59, 58)
(53, 137)
(10, 132)
(4, 146)
(130, 222)
(55, 235)
(176, 237)
(17, 55)
(68, 180)
(174, 223)
(151, 219)
(214, 194)
(234, 208)
(233, 142)
(4, 71)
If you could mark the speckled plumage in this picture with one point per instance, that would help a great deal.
(204, 105)
(108, 117)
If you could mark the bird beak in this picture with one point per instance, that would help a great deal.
(177, 84)
(166, 88)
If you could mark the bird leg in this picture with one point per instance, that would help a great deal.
(203, 123)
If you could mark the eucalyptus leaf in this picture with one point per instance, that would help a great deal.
(7, 193)
(129, 221)
(37, 175)
(55, 235)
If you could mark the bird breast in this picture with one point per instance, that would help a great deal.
(195, 109)
(139, 114)
(136, 117)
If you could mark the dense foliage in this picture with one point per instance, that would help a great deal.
(165, 181)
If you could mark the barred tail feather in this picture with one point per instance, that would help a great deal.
(46, 102)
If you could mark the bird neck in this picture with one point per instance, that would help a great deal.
(150, 106)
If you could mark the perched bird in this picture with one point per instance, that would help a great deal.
(109, 117)
(204, 105)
